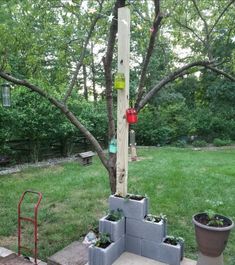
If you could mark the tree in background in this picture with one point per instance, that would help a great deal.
(54, 47)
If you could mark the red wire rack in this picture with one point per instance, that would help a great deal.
(33, 220)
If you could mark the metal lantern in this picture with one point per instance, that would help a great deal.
(6, 95)
(119, 81)
(113, 146)
(131, 116)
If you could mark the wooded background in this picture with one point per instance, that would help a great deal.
(60, 57)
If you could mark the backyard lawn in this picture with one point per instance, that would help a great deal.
(179, 183)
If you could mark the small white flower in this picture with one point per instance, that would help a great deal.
(110, 18)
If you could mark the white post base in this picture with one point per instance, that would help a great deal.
(205, 260)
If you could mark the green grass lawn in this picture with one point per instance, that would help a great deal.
(179, 183)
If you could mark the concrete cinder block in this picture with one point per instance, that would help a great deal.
(115, 229)
(149, 249)
(146, 230)
(133, 245)
(131, 208)
(169, 254)
(106, 256)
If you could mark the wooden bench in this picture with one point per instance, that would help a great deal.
(85, 158)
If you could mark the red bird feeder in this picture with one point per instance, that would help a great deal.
(131, 116)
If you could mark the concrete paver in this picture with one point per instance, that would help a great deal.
(74, 254)
(131, 259)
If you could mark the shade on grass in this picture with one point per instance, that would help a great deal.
(179, 183)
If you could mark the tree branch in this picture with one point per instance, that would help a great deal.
(199, 13)
(81, 57)
(221, 14)
(207, 38)
(190, 29)
(171, 77)
(179, 73)
(221, 72)
(156, 26)
(64, 109)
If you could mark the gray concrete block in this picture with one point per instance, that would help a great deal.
(169, 254)
(133, 245)
(106, 256)
(146, 230)
(131, 208)
(149, 249)
(114, 229)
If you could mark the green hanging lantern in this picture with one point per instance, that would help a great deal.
(113, 146)
(119, 81)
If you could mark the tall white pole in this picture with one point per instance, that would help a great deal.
(123, 100)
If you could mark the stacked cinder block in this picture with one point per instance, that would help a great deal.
(133, 233)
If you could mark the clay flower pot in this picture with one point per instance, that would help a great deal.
(212, 240)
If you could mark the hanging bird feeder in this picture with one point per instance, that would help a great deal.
(6, 95)
(119, 81)
(113, 146)
(131, 116)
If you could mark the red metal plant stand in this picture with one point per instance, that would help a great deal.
(33, 220)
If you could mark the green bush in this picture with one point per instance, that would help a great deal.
(199, 143)
(221, 142)
(180, 143)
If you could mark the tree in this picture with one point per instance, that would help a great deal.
(46, 44)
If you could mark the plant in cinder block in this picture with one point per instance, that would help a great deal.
(113, 224)
(115, 215)
(103, 241)
(155, 218)
(172, 250)
(161, 224)
(133, 206)
(105, 252)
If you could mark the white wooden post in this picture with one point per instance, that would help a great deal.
(123, 100)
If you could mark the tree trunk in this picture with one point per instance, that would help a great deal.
(112, 172)
(93, 71)
(85, 93)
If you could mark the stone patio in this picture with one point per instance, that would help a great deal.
(8, 257)
(72, 255)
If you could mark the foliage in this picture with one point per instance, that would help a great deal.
(180, 143)
(55, 46)
(199, 143)
(221, 142)
(213, 219)
(172, 240)
(103, 241)
(115, 215)
(155, 218)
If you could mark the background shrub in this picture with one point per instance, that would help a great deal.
(199, 143)
(221, 142)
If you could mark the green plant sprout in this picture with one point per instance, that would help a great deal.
(115, 215)
(103, 241)
(155, 218)
(213, 219)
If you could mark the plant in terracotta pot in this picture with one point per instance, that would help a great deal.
(212, 232)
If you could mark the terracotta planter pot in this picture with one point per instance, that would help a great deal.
(212, 240)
